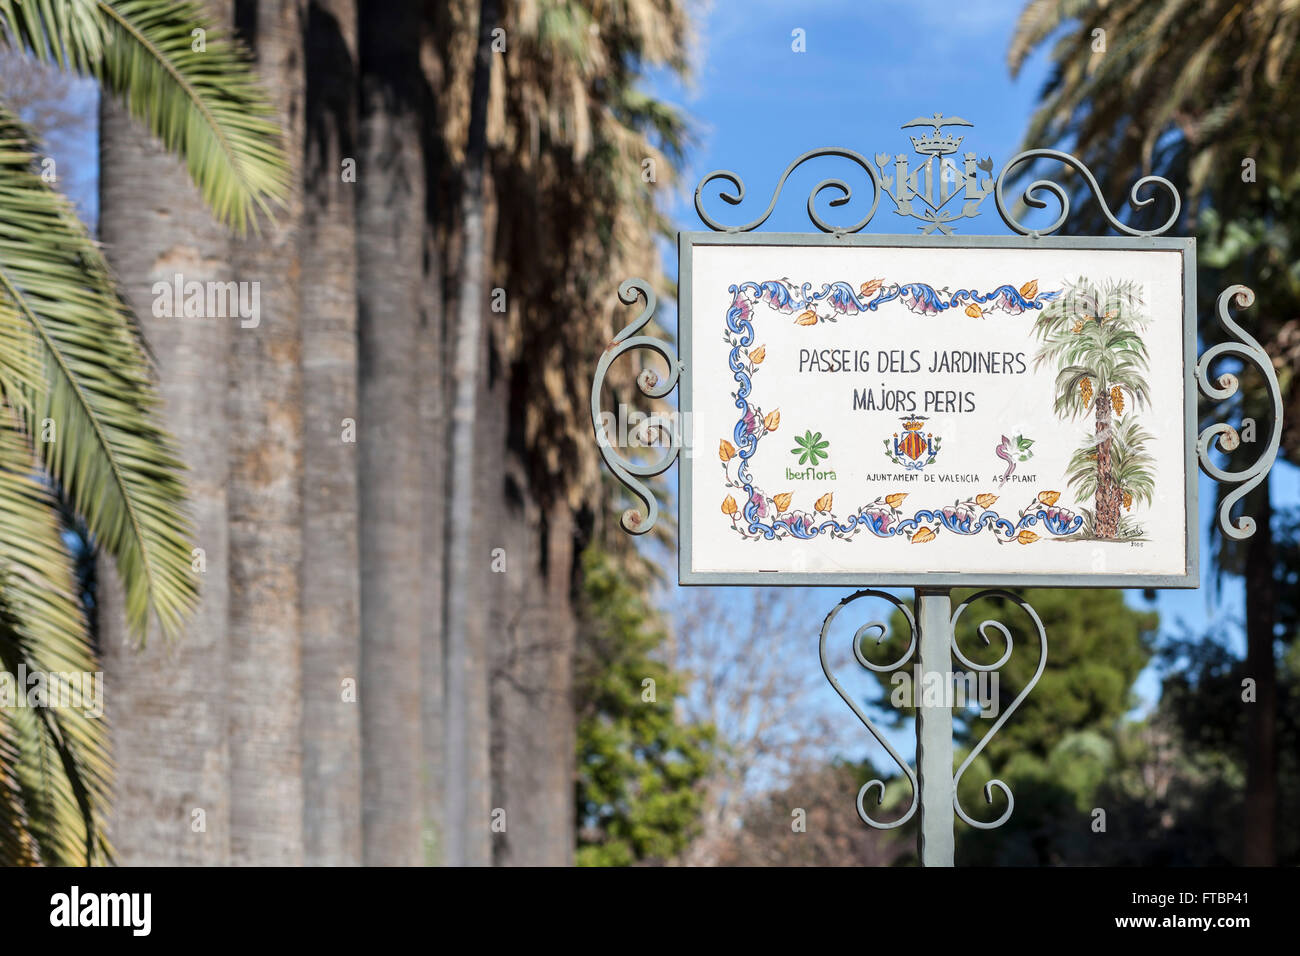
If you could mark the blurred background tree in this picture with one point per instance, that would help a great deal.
(1195, 93)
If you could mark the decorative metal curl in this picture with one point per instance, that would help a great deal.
(846, 193)
(876, 784)
(1228, 439)
(1031, 197)
(629, 473)
(1006, 714)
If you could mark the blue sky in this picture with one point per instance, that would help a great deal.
(756, 104)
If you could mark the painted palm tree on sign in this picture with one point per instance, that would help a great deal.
(79, 415)
(1094, 335)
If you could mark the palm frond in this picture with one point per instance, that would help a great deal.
(68, 33)
(108, 452)
(203, 104)
(17, 846)
(63, 770)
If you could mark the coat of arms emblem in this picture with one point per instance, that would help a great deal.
(924, 192)
(910, 448)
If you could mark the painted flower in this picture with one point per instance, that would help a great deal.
(880, 520)
(741, 305)
(801, 521)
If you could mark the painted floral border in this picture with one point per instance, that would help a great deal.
(764, 516)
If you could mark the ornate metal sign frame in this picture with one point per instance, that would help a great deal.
(1190, 578)
(929, 194)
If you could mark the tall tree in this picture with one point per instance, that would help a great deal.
(390, 207)
(467, 819)
(195, 92)
(172, 740)
(331, 623)
(265, 491)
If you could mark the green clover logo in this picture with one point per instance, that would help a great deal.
(812, 448)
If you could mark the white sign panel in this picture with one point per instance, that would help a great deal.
(937, 411)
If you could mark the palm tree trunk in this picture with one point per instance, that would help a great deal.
(390, 235)
(1107, 497)
(331, 621)
(468, 767)
(532, 707)
(1261, 665)
(168, 704)
(433, 449)
(265, 401)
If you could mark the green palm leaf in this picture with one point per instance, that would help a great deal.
(69, 33)
(108, 454)
(62, 770)
(205, 105)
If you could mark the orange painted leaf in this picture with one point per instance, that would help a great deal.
(895, 500)
(807, 318)
(974, 311)
(726, 450)
(985, 500)
(782, 501)
(922, 536)
(1049, 498)
(1030, 289)
(773, 420)
(824, 502)
(758, 355)
(1026, 537)
(729, 506)
(871, 287)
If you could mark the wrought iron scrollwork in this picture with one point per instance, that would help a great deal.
(628, 472)
(984, 627)
(1032, 198)
(1228, 438)
(843, 188)
(879, 629)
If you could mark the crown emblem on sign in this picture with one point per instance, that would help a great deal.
(936, 144)
(925, 192)
(914, 424)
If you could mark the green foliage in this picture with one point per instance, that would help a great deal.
(80, 432)
(811, 447)
(639, 768)
(200, 99)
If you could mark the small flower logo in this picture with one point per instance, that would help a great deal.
(812, 448)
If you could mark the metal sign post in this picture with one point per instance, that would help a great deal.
(1013, 368)
(934, 732)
